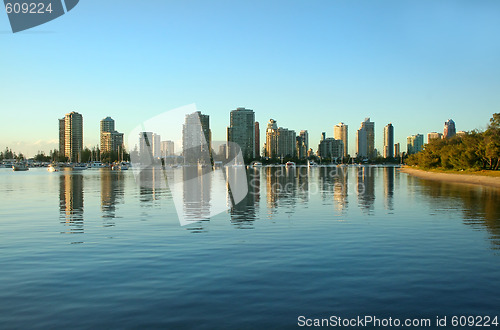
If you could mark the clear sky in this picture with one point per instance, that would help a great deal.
(307, 64)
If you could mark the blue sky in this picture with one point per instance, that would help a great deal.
(306, 64)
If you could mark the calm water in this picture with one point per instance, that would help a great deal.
(94, 249)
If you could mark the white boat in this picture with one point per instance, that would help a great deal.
(53, 168)
(257, 164)
(79, 167)
(96, 164)
(20, 167)
(290, 164)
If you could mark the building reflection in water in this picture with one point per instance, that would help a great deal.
(244, 213)
(479, 205)
(282, 188)
(389, 188)
(199, 193)
(152, 185)
(71, 201)
(333, 184)
(366, 188)
(112, 191)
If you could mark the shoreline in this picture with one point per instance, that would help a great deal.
(453, 178)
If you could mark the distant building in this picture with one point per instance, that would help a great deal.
(62, 134)
(365, 137)
(196, 138)
(73, 136)
(146, 147)
(167, 148)
(257, 140)
(397, 150)
(340, 132)
(461, 133)
(389, 141)
(434, 136)
(330, 148)
(156, 146)
(449, 129)
(280, 142)
(222, 151)
(241, 132)
(414, 144)
(111, 140)
(302, 144)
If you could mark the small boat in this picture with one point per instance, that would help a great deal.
(20, 167)
(257, 164)
(123, 166)
(96, 164)
(53, 168)
(290, 164)
(79, 167)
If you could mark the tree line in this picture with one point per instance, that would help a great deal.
(475, 150)
(87, 155)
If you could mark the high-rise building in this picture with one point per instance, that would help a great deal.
(330, 147)
(389, 141)
(340, 132)
(414, 144)
(449, 129)
(280, 142)
(73, 136)
(196, 138)
(242, 131)
(146, 147)
(167, 148)
(365, 137)
(302, 144)
(257, 139)
(62, 134)
(397, 150)
(434, 136)
(156, 145)
(111, 140)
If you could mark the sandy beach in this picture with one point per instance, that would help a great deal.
(454, 178)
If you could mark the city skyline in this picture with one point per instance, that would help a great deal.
(309, 66)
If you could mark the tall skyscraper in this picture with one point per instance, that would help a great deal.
(280, 142)
(156, 145)
(340, 132)
(196, 138)
(146, 147)
(388, 141)
(111, 140)
(449, 129)
(242, 131)
(62, 134)
(414, 143)
(365, 137)
(302, 144)
(73, 136)
(257, 139)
